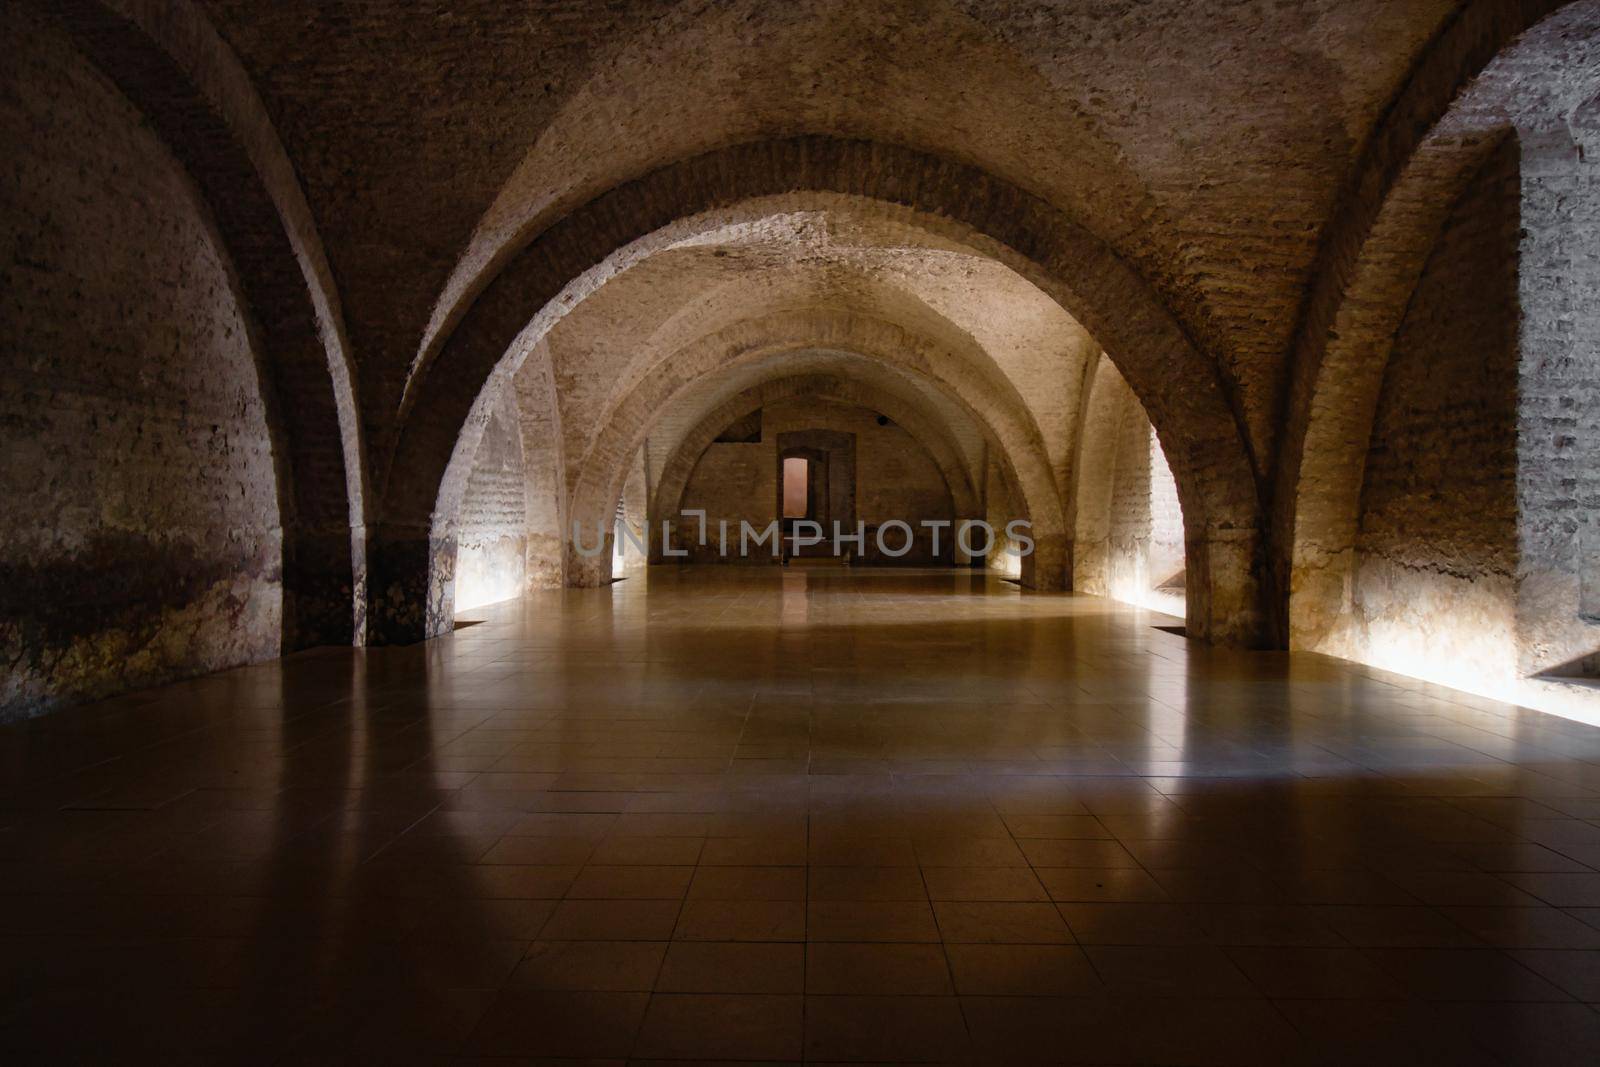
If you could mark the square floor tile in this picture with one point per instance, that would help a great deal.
(733, 967)
(866, 883)
(982, 883)
(846, 968)
(560, 1024)
(1023, 970)
(870, 920)
(742, 920)
(1001, 923)
(610, 966)
(612, 920)
(721, 1026)
(885, 1029)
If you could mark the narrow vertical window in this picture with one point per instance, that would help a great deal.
(795, 485)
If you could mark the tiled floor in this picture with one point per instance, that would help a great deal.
(764, 815)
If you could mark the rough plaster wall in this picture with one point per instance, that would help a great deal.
(140, 540)
(1436, 556)
(491, 534)
(1558, 600)
(895, 476)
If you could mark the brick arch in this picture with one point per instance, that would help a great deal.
(1180, 386)
(654, 311)
(907, 412)
(599, 474)
(607, 345)
(1459, 103)
(734, 312)
(660, 94)
(707, 314)
(170, 63)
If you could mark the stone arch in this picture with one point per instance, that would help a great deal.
(1493, 63)
(1181, 387)
(170, 63)
(598, 478)
(905, 411)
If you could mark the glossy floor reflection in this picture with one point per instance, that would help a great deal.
(744, 815)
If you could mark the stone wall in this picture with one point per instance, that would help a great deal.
(140, 538)
(492, 531)
(1436, 554)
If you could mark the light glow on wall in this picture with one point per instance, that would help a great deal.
(796, 475)
(489, 573)
(1454, 633)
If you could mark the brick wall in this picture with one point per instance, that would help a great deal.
(1436, 554)
(1144, 549)
(1558, 430)
(1129, 542)
(1001, 504)
(492, 531)
(895, 476)
(544, 472)
(140, 539)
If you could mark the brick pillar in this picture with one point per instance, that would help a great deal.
(410, 584)
(1558, 415)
